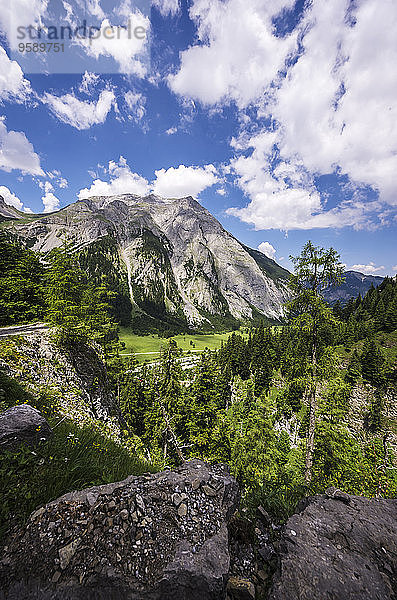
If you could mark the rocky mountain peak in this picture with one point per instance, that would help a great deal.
(174, 261)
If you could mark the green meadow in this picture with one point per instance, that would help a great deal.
(147, 347)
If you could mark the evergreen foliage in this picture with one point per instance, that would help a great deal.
(274, 405)
(21, 283)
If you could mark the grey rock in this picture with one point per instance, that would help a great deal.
(22, 424)
(206, 274)
(337, 494)
(90, 556)
(340, 551)
(182, 510)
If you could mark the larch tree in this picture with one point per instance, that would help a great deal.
(314, 271)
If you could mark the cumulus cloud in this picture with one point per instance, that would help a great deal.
(171, 131)
(10, 198)
(23, 13)
(121, 181)
(88, 82)
(121, 44)
(267, 249)
(184, 181)
(237, 56)
(169, 183)
(56, 179)
(79, 113)
(337, 106)
(167, 7)
(370, 269)
(17, 153)
(330, 103)
(13, 85)
(50, 202)
(394, 268)
(93, 6)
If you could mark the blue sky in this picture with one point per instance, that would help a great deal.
(280, 117)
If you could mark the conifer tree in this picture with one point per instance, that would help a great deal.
(315, 270)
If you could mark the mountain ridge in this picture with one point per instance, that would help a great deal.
(355, 284)
(173, 260)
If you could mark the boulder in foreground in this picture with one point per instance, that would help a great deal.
(22, 424)
(339, 547)
(153, 537)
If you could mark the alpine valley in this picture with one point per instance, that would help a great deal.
(170, 262)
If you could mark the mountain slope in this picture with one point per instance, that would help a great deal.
(171, 261)
(355, 283)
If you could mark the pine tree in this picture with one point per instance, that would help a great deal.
(354, 368)
(64, 293)
(372, 362)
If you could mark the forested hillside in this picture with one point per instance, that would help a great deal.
(292, 409)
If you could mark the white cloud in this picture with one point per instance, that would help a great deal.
(171, 183)
(57, 180)
(13, 85)
(267, 249)
(13, 200)
(50, 202)
(20, 13)
(167, 7)
(237, 56)
(95, 9)
(136, 105)
(394, 268)
(46, 186)
(332, 108)
(184, 181)
(171, 131)
(88, 82)
(16, 152)
(10, 198)
(370, 269)
(221, 191)
(78, 113)
(120, 43)
(122, 181)
(358, 130)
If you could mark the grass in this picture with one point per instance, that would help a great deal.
(73, 459)
(148, 347)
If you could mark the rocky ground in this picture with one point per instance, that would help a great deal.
(159, 536)
(180, 535)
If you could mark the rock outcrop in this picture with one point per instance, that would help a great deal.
(74, 379)
(339, 547)
(22, 424)
(162, 536)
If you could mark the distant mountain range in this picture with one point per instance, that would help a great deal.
(355, 283)
(172, 260)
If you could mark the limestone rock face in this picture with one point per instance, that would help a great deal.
(22, 424)
(76, 378)
(173, 258)
(128, 540)
(339, 547)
